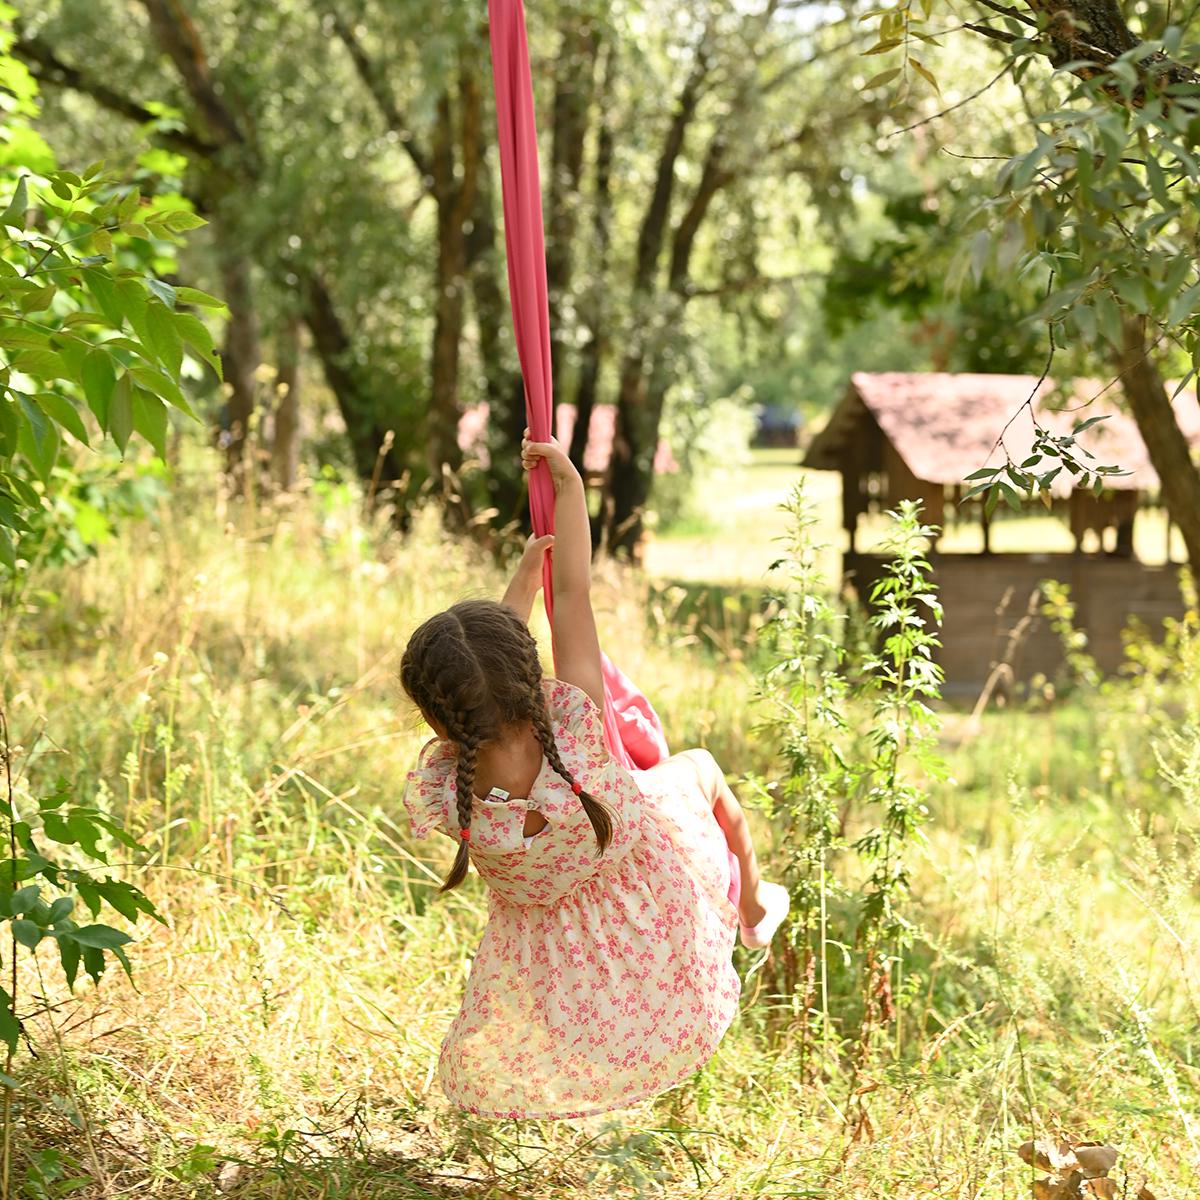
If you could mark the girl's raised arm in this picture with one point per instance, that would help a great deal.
(576, 646)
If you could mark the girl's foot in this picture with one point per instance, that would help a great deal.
(773, 902)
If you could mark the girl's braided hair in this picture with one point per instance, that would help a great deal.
(475, 670)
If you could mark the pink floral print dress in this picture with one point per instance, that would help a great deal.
(600, 980)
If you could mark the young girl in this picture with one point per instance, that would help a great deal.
(604, 973)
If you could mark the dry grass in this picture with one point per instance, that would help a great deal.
(281, 1037)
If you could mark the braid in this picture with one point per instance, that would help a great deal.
(597, 813)
(468, 740)
(474, 669)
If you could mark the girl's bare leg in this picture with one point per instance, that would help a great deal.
(732, 820)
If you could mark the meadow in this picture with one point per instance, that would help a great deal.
(224, 679)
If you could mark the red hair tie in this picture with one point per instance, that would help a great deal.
(576, 787)
(464, 833)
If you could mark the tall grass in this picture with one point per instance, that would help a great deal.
(225, 681)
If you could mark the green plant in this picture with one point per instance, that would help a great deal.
(899, 681)
(87, 325)
(804, 694)
(41, 895)
(1079, 669)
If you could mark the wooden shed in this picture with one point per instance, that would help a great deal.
(898, 436)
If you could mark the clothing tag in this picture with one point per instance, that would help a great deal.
(498, 795)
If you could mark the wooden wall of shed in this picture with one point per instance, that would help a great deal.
(986, 596)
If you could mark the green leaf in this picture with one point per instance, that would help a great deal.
(102, 287)
(14, 215)
(39, 439)
(101, 937)
(180, 220)
(880, 79)
(163, 386)
(39, 299)
(10, 1030)
(60, 409)
(925, 74)
(164, 337)
(23, 900)
(129, 205)
(27, 933)
(188, 295)
(99, 379)
(1183, 305)
(10, 427)
(68, 952)
(125, 898)
(133, 302)
(83, 317)
(150, 419)
(196, 334)
(41, 364)
(8, 552)
(164, 291)
(120, 412)
(61, 908)
(93, 962)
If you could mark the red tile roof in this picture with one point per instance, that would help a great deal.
(472, 426)
(945, 426)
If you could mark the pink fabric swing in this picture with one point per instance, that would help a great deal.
(631, 726)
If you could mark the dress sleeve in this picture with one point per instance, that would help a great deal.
(426, 792)
(578, 725)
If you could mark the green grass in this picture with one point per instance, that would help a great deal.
(282, 1030)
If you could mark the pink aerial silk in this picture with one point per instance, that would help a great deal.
(631, 726)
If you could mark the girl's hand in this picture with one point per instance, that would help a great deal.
(527, 578)
(532, 556)
(562, 469)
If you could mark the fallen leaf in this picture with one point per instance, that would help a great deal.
(1144, 1193)
(1104, 1188)
(1048, 1155)
(1095, 1158)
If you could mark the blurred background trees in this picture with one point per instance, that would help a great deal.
(733, 209)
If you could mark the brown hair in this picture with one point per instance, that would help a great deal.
(475, 670)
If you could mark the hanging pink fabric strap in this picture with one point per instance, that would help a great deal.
(631, 726)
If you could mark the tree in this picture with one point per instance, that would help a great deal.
(1100, 205)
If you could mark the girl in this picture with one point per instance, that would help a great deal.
(604, 973)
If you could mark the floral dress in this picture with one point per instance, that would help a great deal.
(600, 980)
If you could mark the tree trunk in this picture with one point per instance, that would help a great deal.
(1168, 449)
(455, 201)
(240, 357)
(285, 439)
(632, 464)
(370, 438)
(573, 90)
(595, 310)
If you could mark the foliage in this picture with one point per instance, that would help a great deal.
(709, 439)
(284, 1026)
(1079, 669)
(1094, 208)
(86, 326)
(86, 323)
(857, 736)
(804, 693)
(900, 680)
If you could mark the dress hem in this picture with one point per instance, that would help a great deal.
(526, 1115)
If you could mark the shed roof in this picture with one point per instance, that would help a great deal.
(472, 436)
(945, 426)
